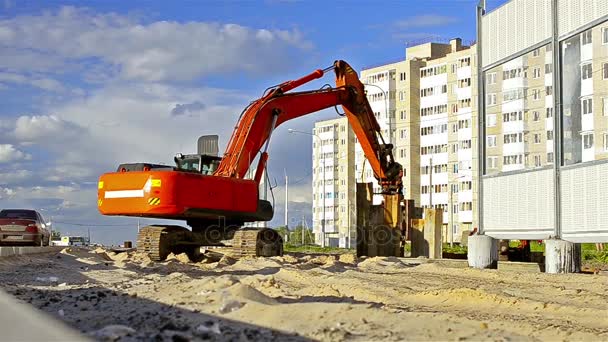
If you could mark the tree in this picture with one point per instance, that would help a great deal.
(284, 232)
(295, 238)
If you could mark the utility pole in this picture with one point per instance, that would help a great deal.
(431, 183)
(286, 200)
(323, 194)
(451, 209)
(264, 183)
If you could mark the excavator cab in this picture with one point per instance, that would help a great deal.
(199, 163)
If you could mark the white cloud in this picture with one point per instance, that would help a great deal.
(14, 176)
(162, 50)
(38, 82)
(8, 153)
(136, 111)
(44, 129)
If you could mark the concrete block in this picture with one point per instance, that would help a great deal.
(419, 245)
(516, 266)
(482, 251)
(562, 256)
(7, 251)
(433, 225)
(21, 322)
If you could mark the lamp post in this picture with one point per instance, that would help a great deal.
(49, 224)
(451, 222)
(323, 183)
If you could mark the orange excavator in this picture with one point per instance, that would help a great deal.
(216, 197)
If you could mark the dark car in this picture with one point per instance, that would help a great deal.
(23, 227)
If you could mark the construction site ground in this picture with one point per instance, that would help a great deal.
(125, 296)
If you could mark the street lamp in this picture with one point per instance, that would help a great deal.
(49, 224)
(323, 183)
(451, 222)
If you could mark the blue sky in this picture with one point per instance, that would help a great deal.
(84, 83)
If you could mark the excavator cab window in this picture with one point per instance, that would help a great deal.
(199, 163)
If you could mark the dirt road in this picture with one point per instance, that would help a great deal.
(301, 297)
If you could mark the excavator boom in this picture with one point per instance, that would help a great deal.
(264, 115)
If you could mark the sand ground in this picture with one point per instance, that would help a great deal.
(127, 297)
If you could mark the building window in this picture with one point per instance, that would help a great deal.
(550, 157)
(537, 138)
(465, 144)
(605, 35)
(536, 52)
(402, 76)
(464, 83)
(491, 140)
(464, 62)
(491, 98)
(466, 206)
(401, 96)
(605, 71)
(537, 161)
(513, 73)
(511, 160)
(587, 105)
(465, 103)
(548, 68)
(605, 141)
(549, 135)
(402, 133)
(402, 115)
(491, 120)
(512, 116)
(492, 162)
(549, 112)
(588, 140)
(586, 37)
(434, 70)
(535, 94)
(586, 71)
(402, 153)
(549, 90)
(605, 106)
(512, 138)
(491, 78)
(536, 72)
(536, 115)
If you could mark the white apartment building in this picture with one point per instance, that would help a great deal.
(333, 183)
(446, 138)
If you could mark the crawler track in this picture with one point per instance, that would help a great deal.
(159, 241)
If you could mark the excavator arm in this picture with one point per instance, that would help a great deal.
(278, 105)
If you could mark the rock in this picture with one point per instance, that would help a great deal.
(348, 258)
(208, 327)
(183, 257)
(112, 332)
(231, 306)
(226, 261)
